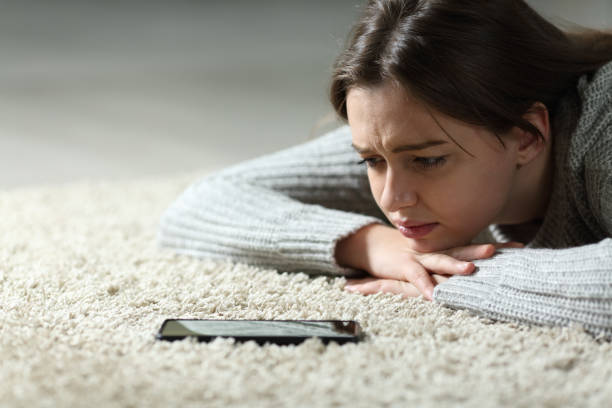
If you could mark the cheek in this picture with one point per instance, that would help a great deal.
(465, 199)
(474, 195)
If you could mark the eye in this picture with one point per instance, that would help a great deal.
(430, 162)
(371, 162)
(422, 162)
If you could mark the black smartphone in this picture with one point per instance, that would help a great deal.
(262, 331)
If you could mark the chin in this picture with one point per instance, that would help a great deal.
(426, 245)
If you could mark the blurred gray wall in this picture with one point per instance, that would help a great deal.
(126, 89)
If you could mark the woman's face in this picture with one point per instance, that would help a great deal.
(431, 180)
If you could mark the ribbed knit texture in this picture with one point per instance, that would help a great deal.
(565, 274)
(287, 210)
(284, 211)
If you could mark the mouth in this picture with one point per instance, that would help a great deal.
(416, 231)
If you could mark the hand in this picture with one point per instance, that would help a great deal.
(370, 286)
(394, 267)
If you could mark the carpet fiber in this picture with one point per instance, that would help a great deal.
(84, 288)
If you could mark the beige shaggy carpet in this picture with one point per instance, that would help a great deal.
(84, 288)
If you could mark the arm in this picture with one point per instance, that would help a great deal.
(552, 287)
(558, 286)
(546, 286)
(286, 210)
(541, 286)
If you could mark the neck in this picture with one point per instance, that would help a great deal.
(531, 195)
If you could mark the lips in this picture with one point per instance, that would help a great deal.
(416, 229)
(410, 224)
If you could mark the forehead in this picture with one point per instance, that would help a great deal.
(384, 112)
(386, 115)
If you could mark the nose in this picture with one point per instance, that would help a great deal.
(398, 193)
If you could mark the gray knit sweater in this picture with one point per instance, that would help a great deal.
(287, 210)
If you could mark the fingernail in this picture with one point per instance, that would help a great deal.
(465, 266)
(350, 288)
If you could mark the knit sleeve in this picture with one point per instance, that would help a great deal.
(553, 287)
(284, 211)
(557, 287)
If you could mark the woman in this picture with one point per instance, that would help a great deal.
(480, 126)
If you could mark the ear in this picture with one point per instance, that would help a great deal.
(531, 145)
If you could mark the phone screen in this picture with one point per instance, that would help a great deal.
(262, 331)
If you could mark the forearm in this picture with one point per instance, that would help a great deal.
(217, 219)
(540, 286)
(285, 210)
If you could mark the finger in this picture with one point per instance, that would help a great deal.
(471, 252)
(444, 264)
(512, 244)
(411, 271)
(480, 251)
(415, 273)
(440, 278)
(420, 278)
(372, 286)
(353, 282)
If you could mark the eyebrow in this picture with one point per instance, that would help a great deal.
(404, 148)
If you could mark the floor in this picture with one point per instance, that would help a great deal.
(118, 90)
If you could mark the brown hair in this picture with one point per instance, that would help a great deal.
(483, 62)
